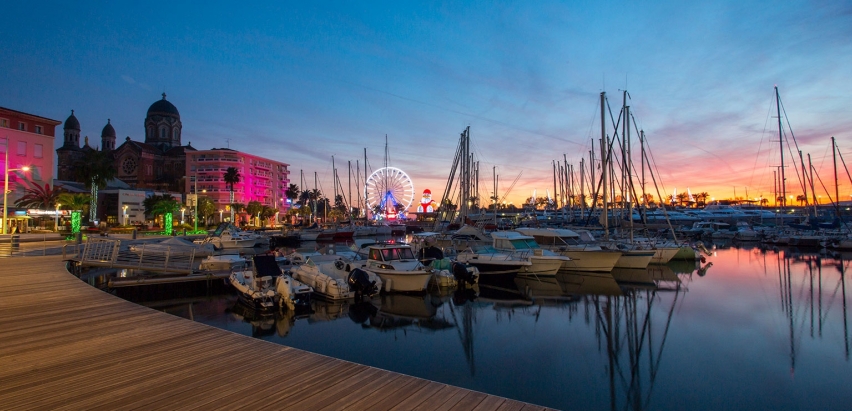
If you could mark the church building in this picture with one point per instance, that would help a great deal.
(158, 163)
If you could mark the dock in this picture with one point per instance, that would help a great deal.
(67, 345)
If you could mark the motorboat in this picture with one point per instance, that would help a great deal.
(398, 268)
(328, 275)
(543, 262)
(224, 262)
(264, 286)
(491, 262)
(174, 246)
(227, 235)
(583, 257)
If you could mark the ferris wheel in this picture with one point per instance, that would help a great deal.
(388, 187)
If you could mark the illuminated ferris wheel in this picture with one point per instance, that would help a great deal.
(389, 188)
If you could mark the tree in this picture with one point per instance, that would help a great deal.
(158, 205)
(254, 208)
(236, 208)
(292, 193)
(75, 202)
(268, 213)
(701, 198)
(39, 197)
(802, 199)
(682, 198)
(206, 208)
(648, 198)
(95, 169)
(231, 177)
(340, 204)
(304, 197)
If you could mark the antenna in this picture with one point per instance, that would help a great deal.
(228, 142)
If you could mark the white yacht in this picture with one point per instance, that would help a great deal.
(583, 257)
(396, 265)
(328, 275)
(543, 262)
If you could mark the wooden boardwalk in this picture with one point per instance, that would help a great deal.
(66, 345)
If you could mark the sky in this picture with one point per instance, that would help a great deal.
(306, 82)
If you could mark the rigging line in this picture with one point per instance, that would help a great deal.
(762, 137)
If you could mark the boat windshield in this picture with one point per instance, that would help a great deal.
(390, 254)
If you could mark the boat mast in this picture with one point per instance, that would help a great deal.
(836, 189)
(604, 216)
(813, 192)
(781, 145)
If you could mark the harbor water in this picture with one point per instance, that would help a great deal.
(749, 328)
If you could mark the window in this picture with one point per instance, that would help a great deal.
(38, 130)
(22, 148)
(4, 122)
(163, 133)
(149, 169)
(22, 126)
(37, 150)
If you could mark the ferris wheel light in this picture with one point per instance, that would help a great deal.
(389, 184)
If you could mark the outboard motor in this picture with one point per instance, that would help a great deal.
(359, 282)
(462, 274)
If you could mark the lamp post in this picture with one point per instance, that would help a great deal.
(6, 172)
(56, 218)
(124, 213)
(182, 209)
(220, 214)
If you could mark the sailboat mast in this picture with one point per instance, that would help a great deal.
(811, 168)
(781, 145)
(836, 189)
(604, 215)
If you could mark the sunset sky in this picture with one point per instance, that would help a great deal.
(300, 83)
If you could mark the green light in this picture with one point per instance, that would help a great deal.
(167, 222)
(75, 222)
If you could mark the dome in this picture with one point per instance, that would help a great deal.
(71, 122)
(108, 131)
(164, 108)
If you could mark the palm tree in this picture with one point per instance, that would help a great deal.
(231, 177)
(236, 208)
(254, 208)
(292, 193)
(268, 213)
(39, 197)
(206, 207)
(682, 198)
(95, 169)
(158, 205)
(74, 201)
(801, 198)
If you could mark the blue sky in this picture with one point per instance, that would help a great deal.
(300, 83)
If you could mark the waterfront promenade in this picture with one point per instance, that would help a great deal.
(67, 345)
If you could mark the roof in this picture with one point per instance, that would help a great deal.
(108, 130)
(45, 119)
(163, 107)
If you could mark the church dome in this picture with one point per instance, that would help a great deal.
(108, 131)
(163, 108)
(71, 122)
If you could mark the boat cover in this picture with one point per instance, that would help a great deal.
(265, 265)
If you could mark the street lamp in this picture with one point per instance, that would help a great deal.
(220, 214)
(124, 212)
(6, 172)
(182, 209)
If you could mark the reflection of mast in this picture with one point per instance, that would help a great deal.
(625, 326)
(466, 334)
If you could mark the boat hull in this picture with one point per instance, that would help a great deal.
(634, 259)
(590, 261)
(404, 281)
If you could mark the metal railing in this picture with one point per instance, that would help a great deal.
(150, 257)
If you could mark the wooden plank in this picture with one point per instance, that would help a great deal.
(67, 345)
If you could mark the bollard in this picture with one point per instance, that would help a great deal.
(16, 242)
(184, 232)
(134, 234)
(79, 237)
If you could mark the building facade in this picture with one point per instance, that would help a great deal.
(158, 163)
(261, 179)
(28, 141)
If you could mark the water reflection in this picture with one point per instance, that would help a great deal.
(666, 337)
